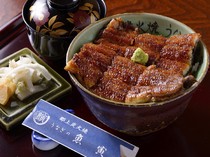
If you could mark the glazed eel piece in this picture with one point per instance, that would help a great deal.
(121, 75)
(118, 32)
(178, 52)
(155, 84)
(105, 67)
(90, 63)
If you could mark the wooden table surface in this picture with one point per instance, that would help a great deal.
(194, 13)
(189, 136)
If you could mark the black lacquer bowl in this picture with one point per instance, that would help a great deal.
(52, 24)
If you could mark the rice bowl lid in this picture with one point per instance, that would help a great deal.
(165, 25)
(62, 18)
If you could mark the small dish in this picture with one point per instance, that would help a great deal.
(13, 112)
(42, 142)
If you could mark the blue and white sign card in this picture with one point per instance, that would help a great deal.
(75, 133)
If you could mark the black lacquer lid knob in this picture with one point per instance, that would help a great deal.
(64, 4)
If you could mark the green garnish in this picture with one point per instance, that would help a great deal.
(140, 56)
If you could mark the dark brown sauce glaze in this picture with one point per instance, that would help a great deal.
(108, 71)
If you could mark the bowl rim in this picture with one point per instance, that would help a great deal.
(148, 104)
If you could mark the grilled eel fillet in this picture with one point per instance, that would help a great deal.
(155, 84)
(177, 54)
(90, 63)
(105, 68)
(119, 32)
(121, 75)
